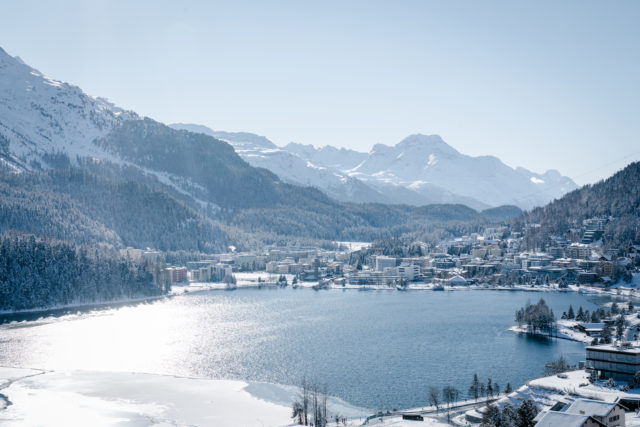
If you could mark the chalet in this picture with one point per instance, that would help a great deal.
(608, 413)
(556, 419)
(591, 329)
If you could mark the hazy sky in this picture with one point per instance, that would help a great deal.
(539, 84)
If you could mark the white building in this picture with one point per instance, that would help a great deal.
(608, 413)
(409, 271)
(383, 262)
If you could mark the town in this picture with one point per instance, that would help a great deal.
(493, 258)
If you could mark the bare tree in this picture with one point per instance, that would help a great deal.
(434, 398)
(324, 395)
(474, 388)
(315, 407)
(303, 398)
(450, 395)
(296, 412)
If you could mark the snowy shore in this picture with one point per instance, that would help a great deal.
(32, 397)
(546, 391)
(565, 331)
(266, 280)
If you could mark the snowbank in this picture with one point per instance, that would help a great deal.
(36, 397)
(99, 398)
(547, 391)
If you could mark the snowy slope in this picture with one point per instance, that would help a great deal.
(258, 151)
(39, 115)
(424, 163)
(339, 158)
(41, 118)
(421, 169)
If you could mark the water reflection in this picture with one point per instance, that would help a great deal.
(371, 348)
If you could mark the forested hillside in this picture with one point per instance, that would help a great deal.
(79, 206)
(617, 198)
(215, 173)
(37, 273)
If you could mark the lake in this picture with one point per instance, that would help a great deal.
(375, 349)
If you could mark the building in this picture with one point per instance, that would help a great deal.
(578, 251)
(608, 413)
(176, 274)
(620, 361)
(556, 251)
(591, 329)
(443, 263)
(150, 255)
(383, 262)
(557, 419)
(219, 271)
(458, 281)
(587, 277)
(606, 268)
(409, 271)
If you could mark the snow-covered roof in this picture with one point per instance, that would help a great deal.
(592, 326)
(630, 348)
(555, 419)
(458, 279)
(590, 407)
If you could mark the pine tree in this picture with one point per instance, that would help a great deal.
(614, 309)
(525, 414)
(492, 416)
(474, 388)
(489, 388)
(508, 416)
(570, 313)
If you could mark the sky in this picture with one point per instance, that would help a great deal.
(543, 85)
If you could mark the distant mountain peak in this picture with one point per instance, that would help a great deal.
(427, 143)
(234, 138)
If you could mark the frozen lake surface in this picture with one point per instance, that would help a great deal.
(373, 349)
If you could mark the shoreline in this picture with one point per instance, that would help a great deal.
(522, 331)
(88, 397)
(84, 305)
(196, 287)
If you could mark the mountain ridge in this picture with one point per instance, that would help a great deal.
(85, 169)
(420, 169)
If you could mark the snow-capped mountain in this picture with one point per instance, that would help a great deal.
(424, 162)
(40, 116)
(421, 169)
(258, 151)
(337, 158)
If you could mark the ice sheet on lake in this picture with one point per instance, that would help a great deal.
(108, 398)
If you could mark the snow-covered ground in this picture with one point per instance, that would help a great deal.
(399, 422)
(565, 331)
(30, 397)
(87, 304)
(546, 391)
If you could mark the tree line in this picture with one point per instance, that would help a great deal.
(38, 273)
(539, 318)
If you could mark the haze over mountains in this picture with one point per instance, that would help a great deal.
(92, 173)
(419, 170)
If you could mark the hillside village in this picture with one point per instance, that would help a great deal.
(491, 258)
